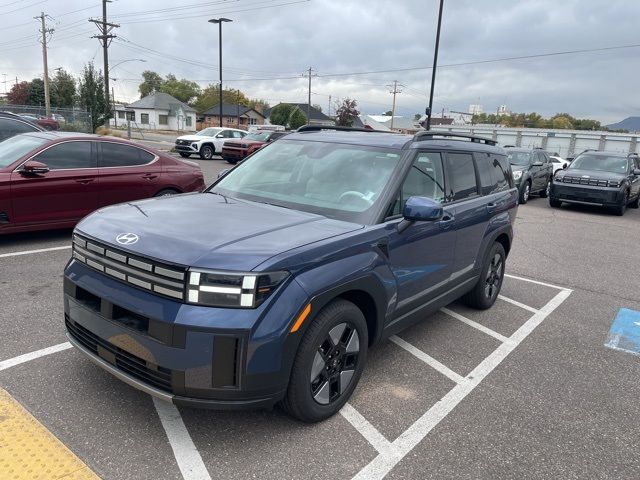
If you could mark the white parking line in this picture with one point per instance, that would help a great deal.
(537, 282)
(27, 357)
(29, 252)
(432, 362)
(187, 456)
(368, 431)
(401, 446)
(475, 325)
(518, 304)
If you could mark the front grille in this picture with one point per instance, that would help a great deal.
(4, 217)
(182, 142)
(123, 360)
(166, 280)
(583, 181)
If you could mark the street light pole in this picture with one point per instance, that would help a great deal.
(433, 70)
(219, 22)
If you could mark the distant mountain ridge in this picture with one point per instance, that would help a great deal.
(630, 123)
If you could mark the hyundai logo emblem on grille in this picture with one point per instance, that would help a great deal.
(127, 238)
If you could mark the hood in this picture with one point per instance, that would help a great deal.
(210, 231)
(592, 174)
(244, 142)
(192, 138)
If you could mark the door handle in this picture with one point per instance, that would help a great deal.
(446, 221)
(491, 207)
(149, 176)
(84, 181)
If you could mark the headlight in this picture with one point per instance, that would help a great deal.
(615, 183)
(557, 178)
(231, 290)
(517, 175)
(194, 145)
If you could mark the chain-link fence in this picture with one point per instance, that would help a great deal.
(65, 119)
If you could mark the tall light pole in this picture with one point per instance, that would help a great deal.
(433, 71)
(127, 60)
(219, 21)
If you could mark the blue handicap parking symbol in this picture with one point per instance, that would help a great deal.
(624, 333)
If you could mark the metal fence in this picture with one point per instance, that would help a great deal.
(67, 119)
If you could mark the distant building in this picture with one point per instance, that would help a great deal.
(316, 117)
(233, 116)
(475, 109)
(503, 110)
(158, 111)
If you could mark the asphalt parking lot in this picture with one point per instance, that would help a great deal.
(524, 390)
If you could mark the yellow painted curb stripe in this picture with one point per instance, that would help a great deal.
(29, 451)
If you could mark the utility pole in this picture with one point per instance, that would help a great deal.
(435, 65)
(113, 99)
(309, 72)
(45, 31)
(329, 111)
(395, 91)
(105, 38)
(238, 112)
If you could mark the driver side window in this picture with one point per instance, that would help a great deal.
(425, 179)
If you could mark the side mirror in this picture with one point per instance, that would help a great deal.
(219, 135)
(564, 167)
(537, 164)
(33, 167)
(222, 173)
(636, 171)
(422, 209)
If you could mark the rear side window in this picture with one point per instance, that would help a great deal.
(10, 127)
(494, 173)
(502, 172)
(462, 181)
(64, 156)
(118, 155)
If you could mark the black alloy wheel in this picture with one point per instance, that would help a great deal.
(329, 362)
(486, 290)
(525, 193)
(334, 363)
(545, 193)
(494, 277)
(620, 209)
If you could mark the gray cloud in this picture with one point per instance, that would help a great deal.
(335, 36)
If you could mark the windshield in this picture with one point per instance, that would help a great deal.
(335, 180)
(13, 148)
(519, 158)
(263, 137)
(602, 163)
(209, 132)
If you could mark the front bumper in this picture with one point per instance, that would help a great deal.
(587, 194)
(233, 153)
(187, 148)
(189, 355)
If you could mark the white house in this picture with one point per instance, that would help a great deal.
(158, 111)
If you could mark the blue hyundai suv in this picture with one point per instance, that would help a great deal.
(272, 284)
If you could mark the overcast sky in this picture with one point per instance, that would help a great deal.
(283, 38)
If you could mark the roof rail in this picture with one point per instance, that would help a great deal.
(317, 128)
(430, 134)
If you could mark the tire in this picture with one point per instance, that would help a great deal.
(547, 189)
(184, 154)
(554, 203)
(315, 399)
(636, 202)
(232, 161)
(525, 193)
(206, 152)
(620, 209)
(166, 192)
(485, 292)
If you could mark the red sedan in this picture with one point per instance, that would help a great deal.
(53, 179)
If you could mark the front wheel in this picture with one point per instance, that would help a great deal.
(620, 209)
(206, 152)
(184, 154)
(232, 161)
(486, 291)
(636, 202)
(328, 364)
(525, 192)
(166, 192)
(554, 203)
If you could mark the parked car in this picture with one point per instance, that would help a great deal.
(206, 142)
(44, 122)
(272, 285)
(559, 163)
(12, 124)
(52, 180)
(235, 150)
(604, 179)
(532, 172)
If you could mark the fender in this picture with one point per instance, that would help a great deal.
(371, 276)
